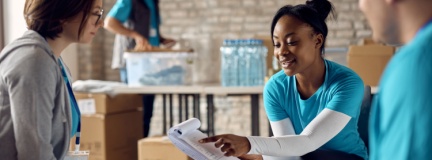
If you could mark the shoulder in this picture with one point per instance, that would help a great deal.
(339, 73)
(411, 67)
(341, 78)
(277, 81)
(27, 58)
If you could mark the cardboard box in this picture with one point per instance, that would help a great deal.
(369, 61)
(111, 137)
(97, 103)
(368, 41)
(159, 148)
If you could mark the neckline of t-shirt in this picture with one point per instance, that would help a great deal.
(320, 89)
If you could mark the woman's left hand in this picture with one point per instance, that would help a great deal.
(167, 42)
(232, 145)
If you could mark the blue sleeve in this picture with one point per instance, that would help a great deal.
(121, 10)
(348, 94)
(272, 101)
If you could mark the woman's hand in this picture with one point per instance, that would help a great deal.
(231, 145)
(251, 157)
(141, 43)
(167, 42)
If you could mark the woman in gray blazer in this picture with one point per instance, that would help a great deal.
(38, 112)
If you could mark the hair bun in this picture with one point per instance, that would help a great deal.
(323, 7)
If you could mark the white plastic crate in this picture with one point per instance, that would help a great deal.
(159, 68)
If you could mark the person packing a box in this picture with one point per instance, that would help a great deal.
(136, 25)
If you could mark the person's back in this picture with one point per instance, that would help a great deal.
(402, 108)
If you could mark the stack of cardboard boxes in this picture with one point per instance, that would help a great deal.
(111, 126)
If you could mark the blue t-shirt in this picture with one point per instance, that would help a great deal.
(75, 112)
(122, 10)
(342, 91)
(402, 110)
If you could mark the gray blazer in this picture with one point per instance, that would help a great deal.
(35, 118)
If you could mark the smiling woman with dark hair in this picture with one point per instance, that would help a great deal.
(313, 104)
(38, 111)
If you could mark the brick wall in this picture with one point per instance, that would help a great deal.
(204, 24)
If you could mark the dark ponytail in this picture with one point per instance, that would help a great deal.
(322, 7)
(314, 13)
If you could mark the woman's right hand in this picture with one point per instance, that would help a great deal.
(251, 157)
(230, 144)
(142, 43)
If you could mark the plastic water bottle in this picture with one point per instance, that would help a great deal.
(243, 56)
(224, 63)
(229, 63)
(253, 67)
(234, 65)
(250, 63)
(262, 51)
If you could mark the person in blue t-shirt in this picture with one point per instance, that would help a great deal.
(136, 24)
(313, 104)
(401, 115)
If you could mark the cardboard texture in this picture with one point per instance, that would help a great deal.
(369, 61)
(159, 148)
(96, 103)
(368, 41)
(111, 137)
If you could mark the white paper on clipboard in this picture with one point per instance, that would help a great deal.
(185, 137)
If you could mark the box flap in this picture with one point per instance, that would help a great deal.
(371, 50)
(100, 103)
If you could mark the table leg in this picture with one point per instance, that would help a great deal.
(180, 97)
(270, 131)
(164, 118)
(171, 110)
(210, 115)
(194, 107)
(187, 106)
(255, 114)
(198, 109)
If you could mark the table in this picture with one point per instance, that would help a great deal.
(196, 90)
(182, 91)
